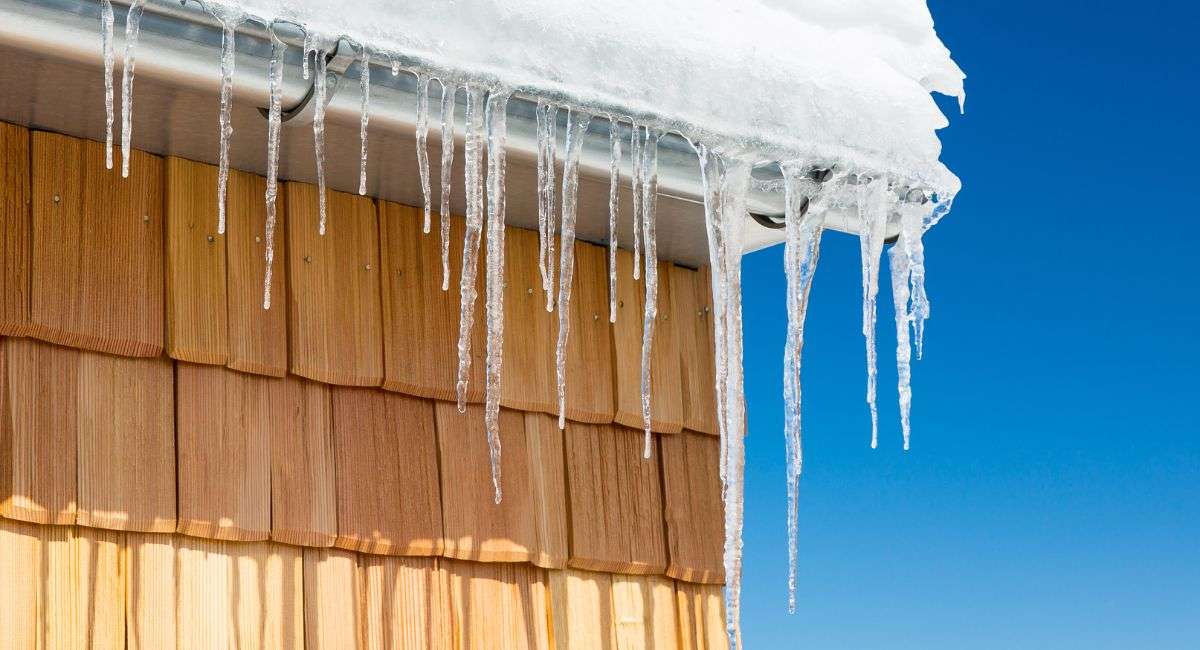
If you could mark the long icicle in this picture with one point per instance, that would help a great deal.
(898, 261)
(649, 167)
(133, 22)
(547, 142)
(872, 215)
(423, 144)
(635, 156)
(274, 123)
(614, 195)
(319, 91)
(474, 190)
(448, 92)
(497, 135)
(364, 85)
(577, 126)
(230, 19)
(109, 53)
(712, 177)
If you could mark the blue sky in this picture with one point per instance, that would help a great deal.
(1052, 495)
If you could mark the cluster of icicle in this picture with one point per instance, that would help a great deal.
(809, 191)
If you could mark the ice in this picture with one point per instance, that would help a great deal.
(874, 203)
(364, 84)
(108, 52)
(274, 122)
(547, 123)
(229, 23)
(648, 168)
(497, 133)
(423, 142)
(395, 68)
(635, 156)
(577, 126)
(133, 21)
(473, 152)
(448, 92)
(614, 195)
(898, 260)
(314, 46)
(915, 219)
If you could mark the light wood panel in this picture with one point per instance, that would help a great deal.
(528, 380)
(96, 581)
(257, 337)
(22, 565)
(126, 441)
(499, 606)
(303, 491)
(691, 299)
(387, 480)
(37, 432)
(701, 617)
(335, 319)
(589, 346)
(615, 501)
(644, 613)
(97, 260)
(196, 317)
(666, 399)
(15, 229)
(476, 527)
(333, 600)
(420, 330)
(224, 424)
(407, 604)
(582, 606)
(548, 490)
(694, 512)
(151, 591)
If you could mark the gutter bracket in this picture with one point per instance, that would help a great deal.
(337, 62)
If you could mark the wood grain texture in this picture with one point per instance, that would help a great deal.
(407, 604)
(692, 311)
(151, 591)
(97, 581)
(644, 613)
(38, 432)
(528, 381)
(335, 320)
(695, 517)
(589, 347)
(333, 600)
(257, 337)
(701, 612)
(126, 442)
(223, 432)
(303, 491)
(387, 480)
(420, 332)
(666, 399)
(97, 251)
(15, 230)
(23, 567)
(196, 316)
(582, 606)
(615, 501)
(499, 605)
(476, 527)
(548, 490)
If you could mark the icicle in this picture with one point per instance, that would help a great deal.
(614, 195)
(423, 142)
(712, 177)
(915, 219)
(230, 19)
(577, 126)
(109, 53)
(898, 258)
(395, 67)
(274, 122)
(873, 204)
(801, 251)
(319, 90)
(133, 21)
(497, 134)
(448, 91)
(635, 158)
(364, 84)
(649, 167)
(547, 123)
(474, 191)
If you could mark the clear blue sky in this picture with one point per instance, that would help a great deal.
(1052, 495)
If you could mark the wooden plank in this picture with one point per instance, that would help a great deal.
(56, 608)
(97, 261)
(407, 604)
(615, 501)
(589, 347)
(692, 311)
(15, 230)
(548, 490)
(37, 432)
(387, 480)
(126, 438)
(334, 308)
(223, 430)
(420, 332)
(666, 399)
(257, 337)
(22, 567)
(97, 581)
(477, 528)
(499, 605)
(196, 316)
(528, 382)
(333, 600)
(303, 491)
(694, 512)
(582, 606)
(701, 617)
(205, 588)
(151, 591)
(644, 613)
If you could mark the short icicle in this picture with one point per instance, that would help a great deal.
(898, 260)
(577, 126)
(423, 143)
(873, 205)
(448, 92)
(473, 152)
(274, 123)
(635, 159)
(649, 167)
(915, 219)
(547, 124)
(230, 19)
(108, 52)
(133, 22)
(614, 195)
(364, 84)
(497, 135)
